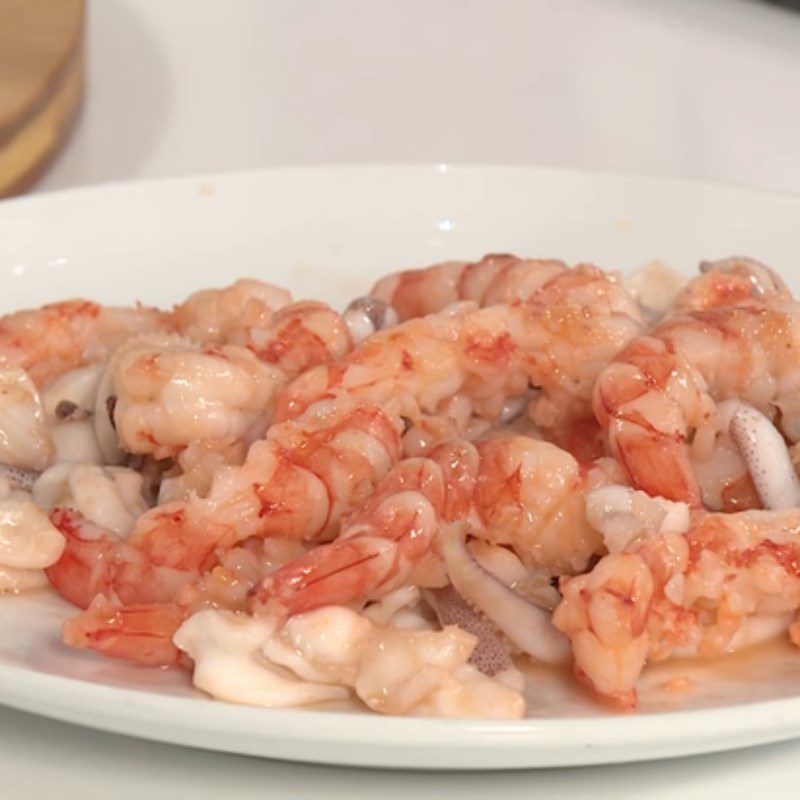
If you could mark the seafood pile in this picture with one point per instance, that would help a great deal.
(473, 466)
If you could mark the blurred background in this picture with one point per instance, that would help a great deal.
(704, 89)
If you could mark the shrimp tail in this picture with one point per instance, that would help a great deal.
(138, 633)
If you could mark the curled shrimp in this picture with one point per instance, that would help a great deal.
(298, 337)
(529, 495)
(383, 543)
(295, 483)
(486, 356)
(168, 392)
(730, 282)
(307, 472)
(53, 339)
(28, 541)
(671, 594)
(143, 632)
(96, 562)
(522, 493)
(659, 397)
(25, 438)
(130, 601)
(217, 316)
(496, 278)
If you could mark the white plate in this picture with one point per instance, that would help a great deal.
(328, 233)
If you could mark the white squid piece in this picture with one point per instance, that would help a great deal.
(765, 453)
(526, 626)
(331, 649)
(225, 649)
(621, 514)
(655, 287)
(111, 497)
(69, 403)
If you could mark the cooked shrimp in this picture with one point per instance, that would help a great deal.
(685, 594)
(95, 561)
(662, 390)
(170, 392)
(494, 279)
(486, 356)
(382, 544)
(422, 673)
(529, 495)
(25, 440)
(142, 632)
(295, 483)
(520, 492)
(729, 282)
(298, 337)
(216, 316)
(28, 541)
(53, 339)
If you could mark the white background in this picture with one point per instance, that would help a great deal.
(705, 89)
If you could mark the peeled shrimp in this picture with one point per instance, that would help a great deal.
(116, 626)
(498, 279)
(170, 392)
(687, 594)
(487, 356)
(216, 316)
(25, 440)
(663, 389)
(53, 339)
(382, 544)
(519, 492)
(28, 541)
(529, 495)
(494, 279)
(298, 337)
(729, 282)
(295, 483)
(420, 673)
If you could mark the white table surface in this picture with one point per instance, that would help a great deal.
(695, 88)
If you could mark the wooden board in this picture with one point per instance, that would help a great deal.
(41, 84)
